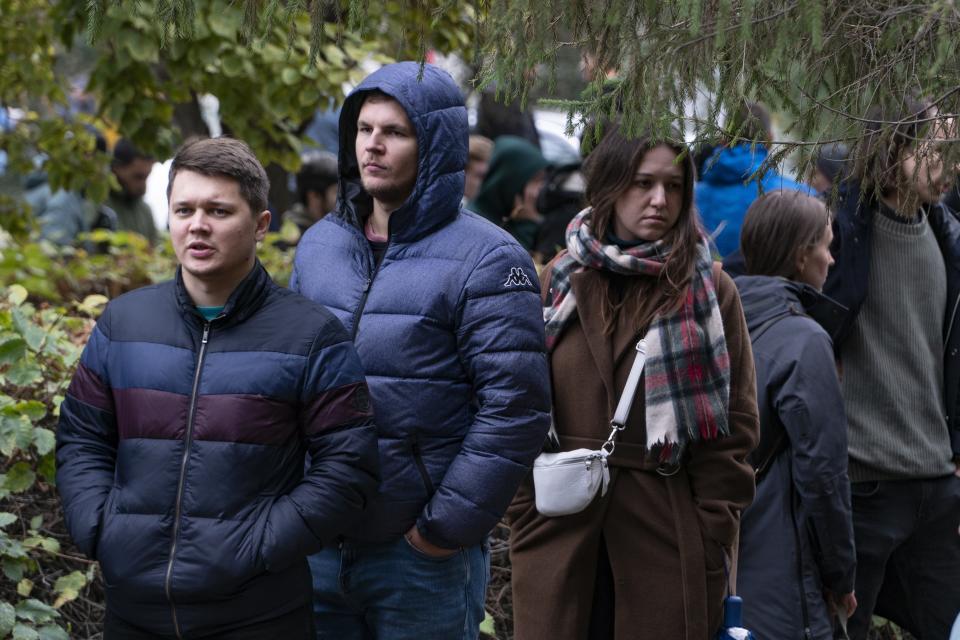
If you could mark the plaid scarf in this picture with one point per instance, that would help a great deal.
(687, 373)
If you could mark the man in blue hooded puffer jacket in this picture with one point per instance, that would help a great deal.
(445, 313)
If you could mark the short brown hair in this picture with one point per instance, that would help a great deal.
(776, 226)
(227, 158)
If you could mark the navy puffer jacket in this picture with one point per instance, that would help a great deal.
(180, 453)
(449, 328)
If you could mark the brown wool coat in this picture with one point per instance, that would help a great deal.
(665, 535)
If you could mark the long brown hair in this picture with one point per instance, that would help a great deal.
(610, 171)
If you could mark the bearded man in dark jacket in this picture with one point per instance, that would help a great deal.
(445, 312)
(182, 437)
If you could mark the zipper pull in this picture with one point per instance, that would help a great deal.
(366, 285)
(206, 333)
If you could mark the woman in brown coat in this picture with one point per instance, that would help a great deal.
(646, 560)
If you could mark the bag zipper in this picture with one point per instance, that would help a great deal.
(588, 461)
(187, 441)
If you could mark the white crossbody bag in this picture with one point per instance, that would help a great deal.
(568, 481)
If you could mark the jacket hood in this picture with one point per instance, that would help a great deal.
(434, 104)
(513, 162)
(766, 297)
(733, 165)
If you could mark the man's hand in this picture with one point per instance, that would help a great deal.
(421, 544)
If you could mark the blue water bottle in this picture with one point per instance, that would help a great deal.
(732, 619)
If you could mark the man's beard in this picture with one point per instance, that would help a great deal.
(391, 193)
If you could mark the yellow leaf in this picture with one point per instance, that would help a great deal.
(16, 294)
(24, 587)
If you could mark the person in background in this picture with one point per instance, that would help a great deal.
(797, 560)
(132, 168)
(496, 118)
(478, 162)
(508, 195)
(316, 189)
(647, 559)
(897, 271)
(732, 179)
(63, 215)
(832, 165)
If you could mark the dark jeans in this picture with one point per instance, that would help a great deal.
(392, 591)
(296, 625)
(908, 555)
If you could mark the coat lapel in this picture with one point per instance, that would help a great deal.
(587, 288)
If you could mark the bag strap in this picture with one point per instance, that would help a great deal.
(619, 421)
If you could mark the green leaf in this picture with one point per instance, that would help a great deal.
(20, 477)
(53, 632)
(232, 65)
(13, 569)
(36, 611)
(12, 350)
(32, 409)
(44, 440)
(24, 374)
(7, 519)
(92, 305)
(42, 542)
(68, 588)
(289, 76)
(487, 625)
(36, 522)
(8, 618)
(16, 294)
(225, 24)
(23, 632)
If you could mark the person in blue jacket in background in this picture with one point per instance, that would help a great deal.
(444, 310)
(732, 179)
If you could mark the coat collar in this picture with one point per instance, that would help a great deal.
(242, 303)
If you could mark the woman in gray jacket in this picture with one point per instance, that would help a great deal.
(797, 560)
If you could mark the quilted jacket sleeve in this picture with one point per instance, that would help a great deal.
(500, 341)
(336, 421)
(87, 442)
(810, 407)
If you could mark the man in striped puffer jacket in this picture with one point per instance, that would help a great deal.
(182, 437)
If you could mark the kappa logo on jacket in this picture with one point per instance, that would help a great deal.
(517, 278)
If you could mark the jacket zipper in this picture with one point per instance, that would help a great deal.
(804, 612)
(187, 440)
(953, 317)
(366, 289)
(427, 482)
